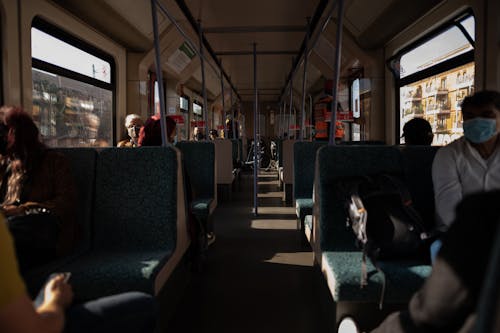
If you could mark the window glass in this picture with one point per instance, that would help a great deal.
(56, 52)
(157, 98)
(71, 113)
(73, 98)
(469, 23)
(444, 46)
(437, 99)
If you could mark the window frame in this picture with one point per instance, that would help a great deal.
(56, 32)
(457, 61)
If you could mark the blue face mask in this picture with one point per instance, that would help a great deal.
(479, 130)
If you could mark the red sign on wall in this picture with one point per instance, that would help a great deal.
(179, 120)
(199, 123)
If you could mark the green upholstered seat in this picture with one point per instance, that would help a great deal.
(308, 222)
(303, 207)
(102, 273)
(304, 158)
(83, 164)
(334, 163)
(343, 272)
(335, 248)
(134, 222)
(201, 207)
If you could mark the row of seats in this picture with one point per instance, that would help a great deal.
(320, 167)
(287, 163)
(132, 208)
(132, 216)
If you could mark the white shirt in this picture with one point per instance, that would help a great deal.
(458, 169)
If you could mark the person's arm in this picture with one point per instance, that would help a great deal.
(447, 187)
(63, 198)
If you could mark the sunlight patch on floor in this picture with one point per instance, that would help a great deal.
(276, 210)
(274, 224)
(295, 258)
(270, 195)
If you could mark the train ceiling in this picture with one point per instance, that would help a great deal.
(278, 28)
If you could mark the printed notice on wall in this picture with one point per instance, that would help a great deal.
(181, 58)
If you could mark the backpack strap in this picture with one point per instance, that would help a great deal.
(384, 283)
(364, 274)
(397, 185)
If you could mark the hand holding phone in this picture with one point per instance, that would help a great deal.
(39, 300)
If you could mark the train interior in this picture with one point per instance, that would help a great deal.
(254, 70)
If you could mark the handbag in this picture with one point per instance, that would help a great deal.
(35, 237)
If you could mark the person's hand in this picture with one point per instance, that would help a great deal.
(58, 292)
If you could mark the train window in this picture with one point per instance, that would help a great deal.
(73, 89)
(434, 75)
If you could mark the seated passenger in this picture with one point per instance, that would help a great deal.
(128, 312)
(418, 131)
(198, 134)
(339, 132)
(213, 134)
(133, 124)
(37, 191)
(150, 134)
(471, 163)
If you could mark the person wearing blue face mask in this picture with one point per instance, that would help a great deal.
(469, 164)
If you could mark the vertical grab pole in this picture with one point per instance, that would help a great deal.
(233, 122)
(279, 121)
(255, 163)
(310, 117)
(290, 106)
(204, 87)
(163, 121)
(336, 68)
(283, 122)
(222, 89)
(231, 112)
(303, 117)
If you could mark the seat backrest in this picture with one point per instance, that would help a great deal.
(304, 158)
(279, 151)
(236, 148)
(83, 165)
(332, 164)
(417, 174)
(223, 158)
(363, 143)
(199, 164)
(288, 161)
(136, 199)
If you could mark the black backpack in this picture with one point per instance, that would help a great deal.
(381, 215)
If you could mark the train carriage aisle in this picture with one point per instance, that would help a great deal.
(258, 278)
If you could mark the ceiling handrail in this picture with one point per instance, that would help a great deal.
(187, 13)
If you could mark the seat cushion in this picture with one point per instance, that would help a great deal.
(343, 273)
(201, 207)
(98, 274)
(308, 222)
(303, 207)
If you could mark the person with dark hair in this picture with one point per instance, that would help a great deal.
(471, 163)
(213, 134)
(150, 134)
(37, 191)
(418, 131)
(198, 134)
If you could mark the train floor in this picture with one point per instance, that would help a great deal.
(258, 276)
